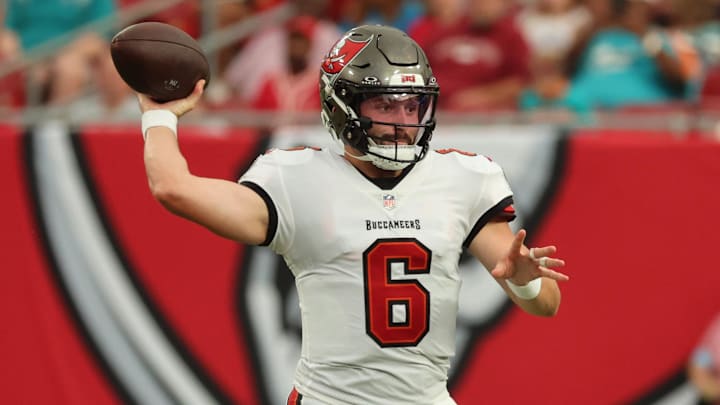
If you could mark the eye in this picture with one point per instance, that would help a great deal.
(384, 107)
(412, 107)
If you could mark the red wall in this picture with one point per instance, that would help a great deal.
(634, 215)
(636, 218)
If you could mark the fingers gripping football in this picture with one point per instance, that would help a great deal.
(178, 107)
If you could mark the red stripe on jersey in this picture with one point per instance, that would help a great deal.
(295, 397)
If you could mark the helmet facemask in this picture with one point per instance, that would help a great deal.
(385, 65)
(386, 141)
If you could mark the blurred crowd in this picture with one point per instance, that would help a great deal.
(488, 55)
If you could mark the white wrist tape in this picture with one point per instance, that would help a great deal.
(528, 291)
(159, 118)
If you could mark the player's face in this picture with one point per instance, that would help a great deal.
(398, 109)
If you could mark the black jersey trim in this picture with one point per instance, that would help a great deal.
(493, 212)
(272, 210)
(387, 183)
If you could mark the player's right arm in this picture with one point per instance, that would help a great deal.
(224, 207)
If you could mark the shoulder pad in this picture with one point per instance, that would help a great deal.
(291, 156)
(469, 160)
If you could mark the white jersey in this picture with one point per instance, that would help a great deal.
(376, 269)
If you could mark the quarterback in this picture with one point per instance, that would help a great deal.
(372, 231)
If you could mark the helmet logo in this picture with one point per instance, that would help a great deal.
(407, 79)
(371, 80)
(341, 54)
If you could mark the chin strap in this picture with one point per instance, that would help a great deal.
(380, 162)
(364, 158)
(381, 156)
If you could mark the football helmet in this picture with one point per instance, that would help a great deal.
(370, 61)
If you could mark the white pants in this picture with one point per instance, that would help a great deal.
(310, 401)
(304, 400)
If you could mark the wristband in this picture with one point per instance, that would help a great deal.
(159, 118)
(528, 291)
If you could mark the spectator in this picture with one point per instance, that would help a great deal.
(704, 365)
(699, 20)
(266, 53)
(335, 9)
(674, 18)
(12, 93)
(396, 13)
(229, 13)
(440, 16)
(36, 22)
(187, 15)
(112, 99)
(600, 16)
(184, 15)
(551, 27)
(263, 5)
(630, 63)
(483, 61)
(294, 88)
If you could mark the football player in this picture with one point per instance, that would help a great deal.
(372, 231)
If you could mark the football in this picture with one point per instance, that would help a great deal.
(159, 60)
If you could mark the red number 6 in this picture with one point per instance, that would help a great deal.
(396, 310)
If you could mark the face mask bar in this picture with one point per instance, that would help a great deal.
(354, 131)
(425, 106)
(387, 153)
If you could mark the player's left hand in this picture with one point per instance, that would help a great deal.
(521, 265)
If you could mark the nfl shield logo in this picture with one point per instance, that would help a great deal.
(388, 201)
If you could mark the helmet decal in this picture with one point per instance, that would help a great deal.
(407, 79)
(341, 54)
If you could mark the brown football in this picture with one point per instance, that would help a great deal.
(159, 60)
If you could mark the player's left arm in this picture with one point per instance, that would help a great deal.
(499, 249)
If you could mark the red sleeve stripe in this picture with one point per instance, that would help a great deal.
(295, 398)
(498, 212)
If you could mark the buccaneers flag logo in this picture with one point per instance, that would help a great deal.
(341, 54)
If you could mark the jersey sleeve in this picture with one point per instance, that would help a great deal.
(265, 177)
(494, 202)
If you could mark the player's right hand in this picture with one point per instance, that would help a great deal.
(178, 107)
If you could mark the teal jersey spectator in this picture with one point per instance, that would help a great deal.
(37, 21)
(616, 70)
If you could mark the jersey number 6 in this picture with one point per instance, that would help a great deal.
(397, 309)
